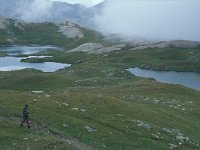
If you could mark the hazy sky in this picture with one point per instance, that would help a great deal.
(149, 19)
(84, 2)
(152, 19)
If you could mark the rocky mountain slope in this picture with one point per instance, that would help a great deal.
(97, 48)
(49, 11)
(68, 35)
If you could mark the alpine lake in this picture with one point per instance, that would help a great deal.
(12, 61)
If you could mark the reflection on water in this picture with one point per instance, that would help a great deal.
(13, 63)
(188, 79)
(16, 50)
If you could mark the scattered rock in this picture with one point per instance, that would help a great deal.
(172, 131)
(142, 124)
(35, 100)
(155, 137)
(110, 132)
(180, 143)
(103, 145)
(14, 144)
(167, 130)
(65, 125)
(47, 95)
(156, 101)
(182, 138)
(120, 115)
(89, 129)
(36, 140)
(26, 139)
(75, 109)
(37, 92)
(183, 109)
(172, 146)
(65, 104)
(83, 110)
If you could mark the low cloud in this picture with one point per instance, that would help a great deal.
(151, 19)
(35, 10)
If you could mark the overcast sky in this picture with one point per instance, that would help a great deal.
(88, 3)
(152, 19)
(149, 19)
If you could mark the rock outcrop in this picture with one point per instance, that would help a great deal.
(70, 30)
(109, 49)
(6, 22)
(97, 48)
(87, 47)
(176, 43)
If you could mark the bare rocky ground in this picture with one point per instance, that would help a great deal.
(70, 30)
(97, 48)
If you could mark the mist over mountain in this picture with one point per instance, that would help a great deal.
(28, 10)
(130, 19)
(46, 11)
(151, 19)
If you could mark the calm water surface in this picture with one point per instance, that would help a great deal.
(16, 50)
(13, 63)
(188, 79)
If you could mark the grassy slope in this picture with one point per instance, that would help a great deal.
(45, 34)
(176, 59)
(112, 97)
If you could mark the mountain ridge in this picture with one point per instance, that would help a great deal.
(50, 11)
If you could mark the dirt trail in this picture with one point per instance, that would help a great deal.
(56, 134)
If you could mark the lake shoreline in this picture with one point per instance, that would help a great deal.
(187, 79)
(12, 61)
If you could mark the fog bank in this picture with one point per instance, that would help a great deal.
(152, 19)
(34, 10)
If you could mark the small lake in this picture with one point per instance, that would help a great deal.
(188, 79)
(12, 63)
(17, 50)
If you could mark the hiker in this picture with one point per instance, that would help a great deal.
(25, 116)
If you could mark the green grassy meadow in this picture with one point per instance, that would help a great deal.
(99, 105)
